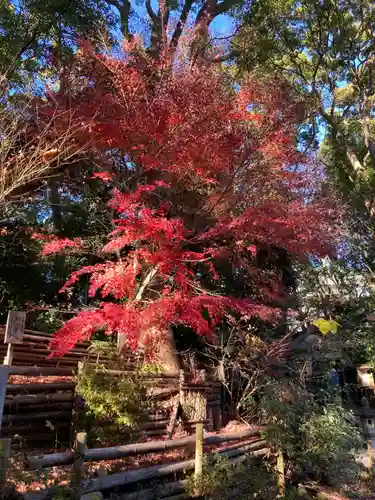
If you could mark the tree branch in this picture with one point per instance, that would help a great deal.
(222, 7)
(180, 25)
(369, 141)
(146, 282)
(124, 11)
(340, 138)
(219, 58)
(115, 3)
(149, 277)
(150, 12)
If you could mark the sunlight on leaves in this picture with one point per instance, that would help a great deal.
(326, 326)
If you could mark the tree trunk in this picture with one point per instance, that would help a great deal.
(53, 198)
(168, 354)
(163, 350)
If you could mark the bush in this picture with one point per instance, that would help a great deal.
(112, 403)
(222, 481)
(330, 442)
(318, 436)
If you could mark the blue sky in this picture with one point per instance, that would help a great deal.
(222, 25)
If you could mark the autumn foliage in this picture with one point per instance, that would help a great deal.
(212, 174)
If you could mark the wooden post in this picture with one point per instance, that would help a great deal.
(78, 461)
(198, 450)
(369, 451)
(4, 464)
(78, 419)
(9, 355)
(174, 415)
(14, 331)
(280, 473)
(182, 393)
(4, 373)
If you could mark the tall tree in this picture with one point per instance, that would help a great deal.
(166, 22)
(33, 33)
(326, 49)
(209, 179)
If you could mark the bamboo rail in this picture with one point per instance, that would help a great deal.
(129, 450)
(124, 478)
(40, 370)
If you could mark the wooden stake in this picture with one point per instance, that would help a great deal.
(4, 464)
(79, 459)
(182, 392)
(4, 373)
(280, 473)
(198, 450)
(369, 451)
(9, 356)
(173, 419)
(78, 408)
(14, 332)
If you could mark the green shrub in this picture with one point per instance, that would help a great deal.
(330, 443)
(59, 492)
(318, 436)
(222, 481)
(120, 399)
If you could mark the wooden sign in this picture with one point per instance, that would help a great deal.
(366, 380)
(15, 327)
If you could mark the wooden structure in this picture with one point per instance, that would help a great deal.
(177, 401)
(43, 412)
(34, 351)
(245, 444)
(14, 331)
(39, 412)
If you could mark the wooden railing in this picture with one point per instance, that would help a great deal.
(29, 406)
(34, 351)
(236, 453)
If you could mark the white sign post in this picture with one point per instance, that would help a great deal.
(14, 331)
(13, 335)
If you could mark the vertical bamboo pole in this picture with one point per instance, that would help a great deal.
(198, 450)
(78, 463)
(203, 398)
(9, 356)
(173, 419)
(14, 331)
(280, 473)
(78, 420)
(4, 464)
(4, 373)
(369, 451)
(182, 393)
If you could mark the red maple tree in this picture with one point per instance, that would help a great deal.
(213, 173)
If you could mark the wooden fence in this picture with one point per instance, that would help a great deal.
(39, 412)
(187, 401)
(34, 351)
(131, 479)
(42, 412)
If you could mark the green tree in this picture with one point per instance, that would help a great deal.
(333, 291)
(326, 49)
(34, 35)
